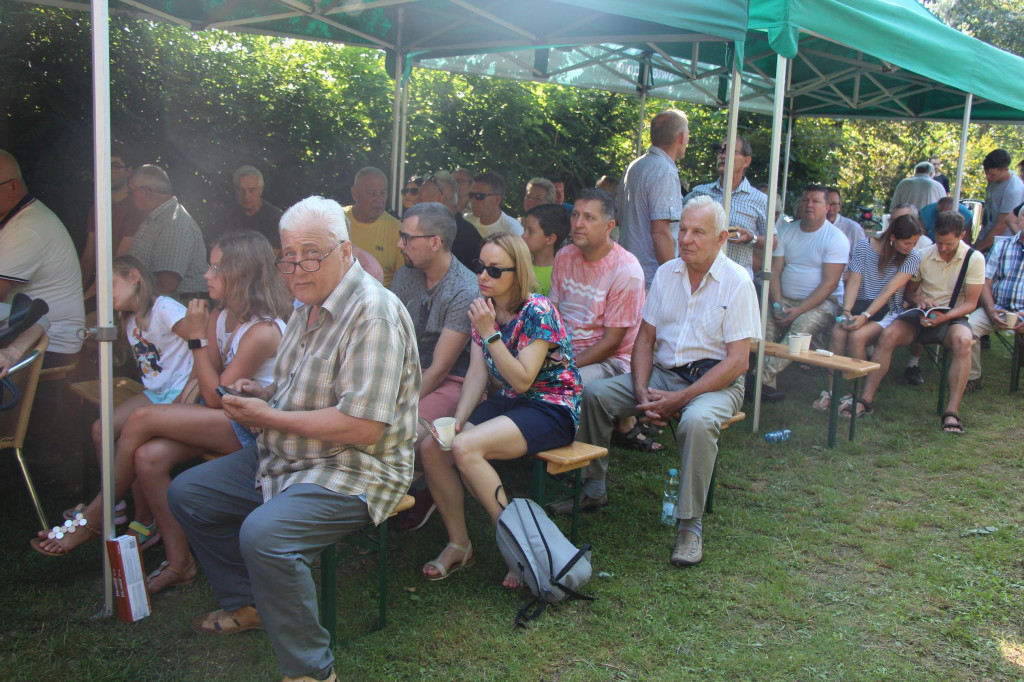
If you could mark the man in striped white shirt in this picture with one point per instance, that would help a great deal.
(700, 314)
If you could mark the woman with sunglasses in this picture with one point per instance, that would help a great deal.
(519, 339)
(411, 192)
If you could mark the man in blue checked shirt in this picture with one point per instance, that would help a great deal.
(1003, 293)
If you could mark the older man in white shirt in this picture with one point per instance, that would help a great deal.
(700, 314)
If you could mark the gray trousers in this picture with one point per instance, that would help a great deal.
(815, 321)
(697, 435)
(260, 554)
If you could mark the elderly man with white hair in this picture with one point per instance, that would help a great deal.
(919, 189)
(688, 359)
(335, 450)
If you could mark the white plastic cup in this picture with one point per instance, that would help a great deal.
(1010, 319)
(445, 428)
(795, 344)
(805, 343)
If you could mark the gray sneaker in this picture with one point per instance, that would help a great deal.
(564, 508)
(689, 549)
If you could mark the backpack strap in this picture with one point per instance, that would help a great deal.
(522, 617)
(496, 491)
(572, 562)
(572, 593)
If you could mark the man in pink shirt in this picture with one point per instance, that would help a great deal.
(598, 288)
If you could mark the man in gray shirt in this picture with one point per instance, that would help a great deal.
(1004, 193)
(436, 289)
(650, 198)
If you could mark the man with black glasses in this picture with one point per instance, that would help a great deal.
(436, 290)
(334, 454)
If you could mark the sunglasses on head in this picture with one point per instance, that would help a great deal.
(493, 271)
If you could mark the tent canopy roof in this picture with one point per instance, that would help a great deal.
(889, 59)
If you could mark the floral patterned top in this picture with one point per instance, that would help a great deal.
(558, 381)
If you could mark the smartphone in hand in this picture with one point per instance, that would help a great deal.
(224, 390)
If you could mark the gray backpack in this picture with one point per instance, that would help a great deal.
(547, 562)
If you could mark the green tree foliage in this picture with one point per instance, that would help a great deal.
(310, 114)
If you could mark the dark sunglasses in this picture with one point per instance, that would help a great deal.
(480, 196)
(411, 190)
(493, 271)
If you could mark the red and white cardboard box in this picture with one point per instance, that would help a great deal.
(129, 576)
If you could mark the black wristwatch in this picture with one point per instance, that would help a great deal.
(196, 344)
(496, 336)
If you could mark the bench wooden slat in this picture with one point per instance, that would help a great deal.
(571, 457)
(735, 419)
(124, 388)
(850, 367)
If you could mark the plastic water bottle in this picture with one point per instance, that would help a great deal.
(843, 319)
(669, 498)
(778, 436)
(777, 309)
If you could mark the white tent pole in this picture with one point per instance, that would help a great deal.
(105, 330)
(396, 117)
(785, 162)
(773, 184)
(396, 126)
(730, 157)
(406, 84)
(964, 129)
(642, 121)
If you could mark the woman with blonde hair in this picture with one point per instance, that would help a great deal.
(519, 340)
(237, 340)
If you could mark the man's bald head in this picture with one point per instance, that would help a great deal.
(12, 186)
(670, 131)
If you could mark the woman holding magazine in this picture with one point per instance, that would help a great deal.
(879, 271)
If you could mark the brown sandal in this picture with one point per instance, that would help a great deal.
(57, 534)
(221, 622)
(164, 577)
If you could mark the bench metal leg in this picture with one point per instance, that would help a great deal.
(709, 501)
(577, 492)
(539, 473)
(329, 591)
(1018, 342)
(944, 361)
(853, 415)
(833, 409)
(382, 598)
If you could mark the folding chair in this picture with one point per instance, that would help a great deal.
(14, 422)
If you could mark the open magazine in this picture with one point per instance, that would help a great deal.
(919, 313)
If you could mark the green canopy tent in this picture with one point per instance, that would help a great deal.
(404, 29)
(878, 59)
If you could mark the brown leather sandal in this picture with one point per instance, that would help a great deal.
(57, 534)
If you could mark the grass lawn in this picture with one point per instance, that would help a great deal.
(850, 563)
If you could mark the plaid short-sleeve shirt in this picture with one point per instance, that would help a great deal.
(360, 357)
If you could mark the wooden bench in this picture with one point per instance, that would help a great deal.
(563, 460)
(357, 545)
(124, 388)
(841, 367)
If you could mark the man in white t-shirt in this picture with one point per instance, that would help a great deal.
(806, 289)
(485, 197)
(689, 359)
(37, 254)
(598, 288)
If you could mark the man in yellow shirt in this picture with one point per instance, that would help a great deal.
(370, 227)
